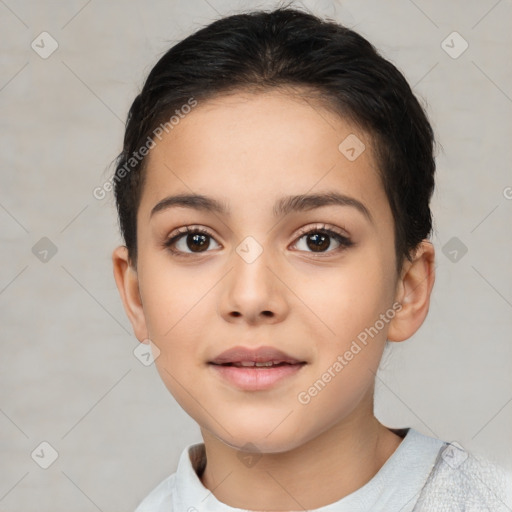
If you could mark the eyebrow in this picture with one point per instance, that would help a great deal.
(282, 207)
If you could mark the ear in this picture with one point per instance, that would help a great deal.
(128, 285)
(413, 293)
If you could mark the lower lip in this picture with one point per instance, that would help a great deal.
(256, 379)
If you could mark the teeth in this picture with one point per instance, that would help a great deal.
(265, 364)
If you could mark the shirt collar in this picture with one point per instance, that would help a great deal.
(409, 465)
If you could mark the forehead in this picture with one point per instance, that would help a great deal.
(252, 149)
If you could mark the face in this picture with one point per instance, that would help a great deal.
(311, 278)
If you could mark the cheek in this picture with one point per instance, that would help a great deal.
(350, 308)
(171, 296)
(345, 300)
(334, 396)
(178, 307)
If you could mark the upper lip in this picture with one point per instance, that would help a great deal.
(258, 355)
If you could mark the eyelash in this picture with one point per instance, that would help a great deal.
(343, 241)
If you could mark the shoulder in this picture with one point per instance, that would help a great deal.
(160, 499)
(465, 481)
(179, 488)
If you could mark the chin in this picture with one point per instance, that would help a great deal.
(264, 446)
(263, 438)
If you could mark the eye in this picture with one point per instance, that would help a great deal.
(319, 240)
(193, 240)
(197, 240)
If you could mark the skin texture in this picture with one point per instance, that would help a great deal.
(249, 150)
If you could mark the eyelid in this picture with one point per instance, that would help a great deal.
(179, 233)
(332, 231)
(344, 240)
(322, 227)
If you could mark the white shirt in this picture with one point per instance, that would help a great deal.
(396, 487)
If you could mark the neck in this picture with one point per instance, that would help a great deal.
(339, 461)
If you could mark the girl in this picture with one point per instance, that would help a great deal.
(273, 193)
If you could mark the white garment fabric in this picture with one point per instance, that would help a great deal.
(424, 474)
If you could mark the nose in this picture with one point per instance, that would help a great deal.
(254, 291)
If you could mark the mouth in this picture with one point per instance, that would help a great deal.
(255, 369)
(258, 364)
(261, 356)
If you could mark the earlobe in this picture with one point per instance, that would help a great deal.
(413, 293)
(128, 285)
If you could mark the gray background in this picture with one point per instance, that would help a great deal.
(68, 373)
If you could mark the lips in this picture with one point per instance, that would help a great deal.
(257, 369)
(262, 357)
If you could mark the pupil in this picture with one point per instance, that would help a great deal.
(319, 237)
(200, 239)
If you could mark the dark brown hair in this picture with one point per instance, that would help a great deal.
(288, 48)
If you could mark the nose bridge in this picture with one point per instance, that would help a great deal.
(253, 290)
